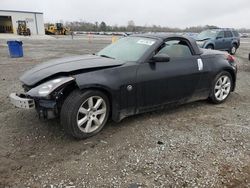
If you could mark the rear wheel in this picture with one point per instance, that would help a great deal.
(233, 50)
(221, 88)
(85, 114)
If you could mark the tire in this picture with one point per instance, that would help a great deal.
(210, 46)
(28, 31)
(221, 87)
(81, 121)
(233, 50)
(66, 33)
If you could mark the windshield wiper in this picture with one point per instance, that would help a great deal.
(107, 56)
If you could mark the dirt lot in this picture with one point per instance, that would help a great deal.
(194, 145)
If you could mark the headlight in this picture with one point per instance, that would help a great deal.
(47, 88)
(200, 43)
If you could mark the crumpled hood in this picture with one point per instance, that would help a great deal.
(205, 39)
(66, 65)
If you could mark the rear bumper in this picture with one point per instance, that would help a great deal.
(21, 101)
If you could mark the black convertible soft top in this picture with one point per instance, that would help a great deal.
(164, 36)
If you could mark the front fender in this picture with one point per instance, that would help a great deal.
(113, 82)
(91, 82)
(209, 43)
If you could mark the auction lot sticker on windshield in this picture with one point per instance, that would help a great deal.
(145, 42)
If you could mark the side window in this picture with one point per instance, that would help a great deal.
(236, 34)
(228, 34)
(221, 34)
(175, 49)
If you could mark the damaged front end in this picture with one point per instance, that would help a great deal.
(46, 98)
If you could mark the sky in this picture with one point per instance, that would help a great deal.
(170, 13)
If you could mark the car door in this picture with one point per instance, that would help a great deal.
(228, 40)
(220, 41)
(161, 83)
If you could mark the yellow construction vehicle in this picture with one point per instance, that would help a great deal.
(22, 28)
(56, 29)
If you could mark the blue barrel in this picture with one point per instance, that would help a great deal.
(15, 48)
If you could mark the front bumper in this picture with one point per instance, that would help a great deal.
(45, 108)
(21, 101)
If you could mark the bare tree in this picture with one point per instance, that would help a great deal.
(103, 26)
(131, 26)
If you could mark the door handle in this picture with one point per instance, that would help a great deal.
(200, 64)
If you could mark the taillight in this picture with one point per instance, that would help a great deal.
(230, 58)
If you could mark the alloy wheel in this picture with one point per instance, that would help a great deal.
(91, 114)
(222, 88)
(233, 50)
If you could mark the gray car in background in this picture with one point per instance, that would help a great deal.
(219, 39)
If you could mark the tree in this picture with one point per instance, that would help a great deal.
(131, 26)
(103, 26)
(96, 26)
(131, 23)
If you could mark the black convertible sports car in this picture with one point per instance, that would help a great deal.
(136, 74)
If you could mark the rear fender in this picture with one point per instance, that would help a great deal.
(235, 42)
(232, 73)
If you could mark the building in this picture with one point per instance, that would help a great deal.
(9, 20)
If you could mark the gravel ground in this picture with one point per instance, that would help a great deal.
(194, 145)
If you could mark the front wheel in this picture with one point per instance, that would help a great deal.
(66, 32)
(85, 114)
(221, 88)
(210, 46)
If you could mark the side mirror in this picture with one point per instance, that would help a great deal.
(218, 38)
(160, 58)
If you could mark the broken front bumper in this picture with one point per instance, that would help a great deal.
(45, 108)
(21, 101)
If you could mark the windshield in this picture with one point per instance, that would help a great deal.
(127, 48)
(208, 34)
